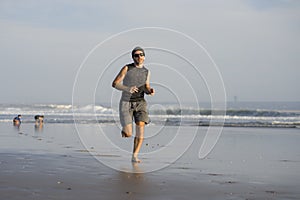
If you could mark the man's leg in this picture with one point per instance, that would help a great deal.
(138, 140)
(127, 130)
(126, 114)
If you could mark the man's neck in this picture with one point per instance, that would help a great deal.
(139, 65)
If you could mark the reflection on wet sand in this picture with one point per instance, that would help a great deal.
(38, 127)
(16, 126)
(132, 182)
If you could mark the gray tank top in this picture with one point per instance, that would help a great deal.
(135, 77)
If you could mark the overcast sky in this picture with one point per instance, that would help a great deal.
(254, 44)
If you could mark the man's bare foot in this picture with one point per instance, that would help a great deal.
(135, 159)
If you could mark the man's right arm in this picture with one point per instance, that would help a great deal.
(117, 83)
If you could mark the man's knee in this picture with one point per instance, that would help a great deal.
(126, 134)
(127, 131)
(140, 123)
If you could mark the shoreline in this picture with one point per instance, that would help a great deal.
(171, 124)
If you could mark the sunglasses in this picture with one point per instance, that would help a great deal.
(138, 55)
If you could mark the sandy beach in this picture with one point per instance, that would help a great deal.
(52, 163)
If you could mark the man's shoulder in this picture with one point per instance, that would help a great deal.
(146, 68)
(129, 66)
(132, 66)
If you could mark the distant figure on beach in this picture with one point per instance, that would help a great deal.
(17, 120)
(134, 81)
(39, 119)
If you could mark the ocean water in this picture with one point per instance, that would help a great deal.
(239, 114)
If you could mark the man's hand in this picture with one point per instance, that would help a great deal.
(133, 89)
(152, 92)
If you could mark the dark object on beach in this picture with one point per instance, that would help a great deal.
(17, 120)
(39, 118)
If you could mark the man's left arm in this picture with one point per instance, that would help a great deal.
(150, 91)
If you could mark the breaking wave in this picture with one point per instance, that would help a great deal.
(168, 115)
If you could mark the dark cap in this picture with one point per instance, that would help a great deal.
(137, 49)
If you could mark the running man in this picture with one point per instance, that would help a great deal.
(134, 81)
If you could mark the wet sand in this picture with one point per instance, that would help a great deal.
(51, 163)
